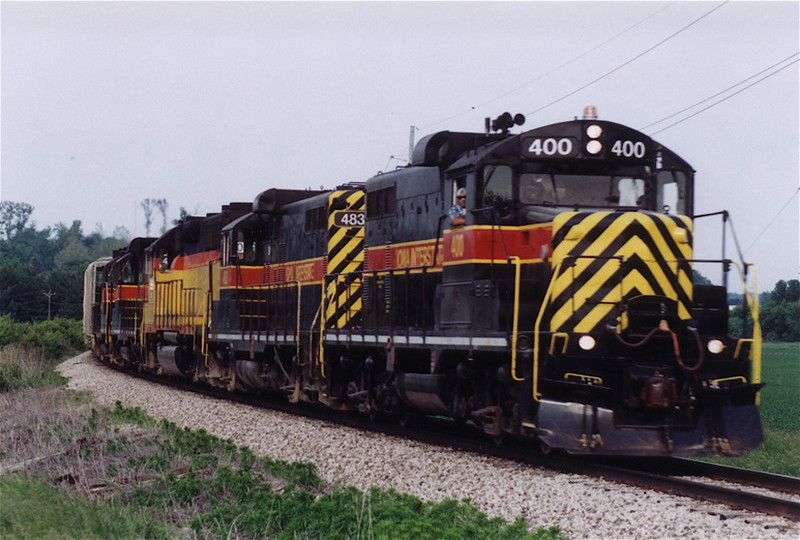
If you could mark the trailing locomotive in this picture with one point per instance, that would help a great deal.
(563, 309)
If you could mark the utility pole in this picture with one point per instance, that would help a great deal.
(49, 295)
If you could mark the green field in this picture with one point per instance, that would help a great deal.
(780, 412)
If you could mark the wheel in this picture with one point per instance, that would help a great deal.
(406, 418)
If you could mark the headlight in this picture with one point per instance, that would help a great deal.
(594, 131)
(594, 147)
(715, 346)
(586, 343)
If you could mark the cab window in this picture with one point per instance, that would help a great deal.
(631, 192)
(497, 186)
(536, 189)
(671, 192)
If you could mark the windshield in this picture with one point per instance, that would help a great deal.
(581, 190)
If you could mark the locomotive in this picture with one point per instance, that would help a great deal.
(563, 309)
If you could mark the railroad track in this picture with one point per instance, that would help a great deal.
(740, 489)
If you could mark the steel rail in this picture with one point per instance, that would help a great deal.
(698, 489)
(695, 467)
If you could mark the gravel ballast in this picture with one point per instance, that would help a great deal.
(583, 507)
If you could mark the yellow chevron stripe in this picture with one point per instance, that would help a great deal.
(581, 296)
(342, 305)
(633, 280)
(653, 252)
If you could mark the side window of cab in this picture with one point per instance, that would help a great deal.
(671, 192)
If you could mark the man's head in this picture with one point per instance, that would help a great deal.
(461, 197)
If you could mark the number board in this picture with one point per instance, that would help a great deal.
(628, 149)
(550, 147)
(348, 219)
(623, 145)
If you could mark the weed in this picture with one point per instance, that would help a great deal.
(304, 474)
(133, 415)
(204, 461)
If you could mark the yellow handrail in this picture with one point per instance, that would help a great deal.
(556, 335)
(537, 327)
(752, 302)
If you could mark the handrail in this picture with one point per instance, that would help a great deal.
(726, 221)
(752, 303)
(385, 272)
(536, 329)
(280, 286)
(515, 320)
(322, 321)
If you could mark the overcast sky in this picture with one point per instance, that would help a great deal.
(108, 103)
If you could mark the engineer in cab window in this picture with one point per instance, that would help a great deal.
(458, 212)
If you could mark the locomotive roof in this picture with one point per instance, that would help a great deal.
(455, 150)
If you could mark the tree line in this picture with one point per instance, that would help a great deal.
(41, 272)
(779, 313)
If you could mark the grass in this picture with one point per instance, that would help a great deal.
(69, 469)
(35, 508)
(780, 414)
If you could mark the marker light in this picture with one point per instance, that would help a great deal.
(715, 346)
(594, 131)
(587, 343)
(594, 147)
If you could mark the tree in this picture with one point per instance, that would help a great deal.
(182, 215)
(66, 281)
(162, 205)
(13, 218)
(793, 290)
(700, 279)
(122, 234)
(780, 312)
(778, 294)
(21, 292)
(31, 246)
(147, 207)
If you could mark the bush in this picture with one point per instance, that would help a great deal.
(10, 332)
(54, 338)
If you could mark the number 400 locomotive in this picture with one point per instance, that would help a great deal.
(562, 307)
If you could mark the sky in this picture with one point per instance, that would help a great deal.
(104, 104)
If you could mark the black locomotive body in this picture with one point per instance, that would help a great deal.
(563, 309)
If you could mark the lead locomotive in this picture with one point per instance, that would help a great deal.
(563, 309)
